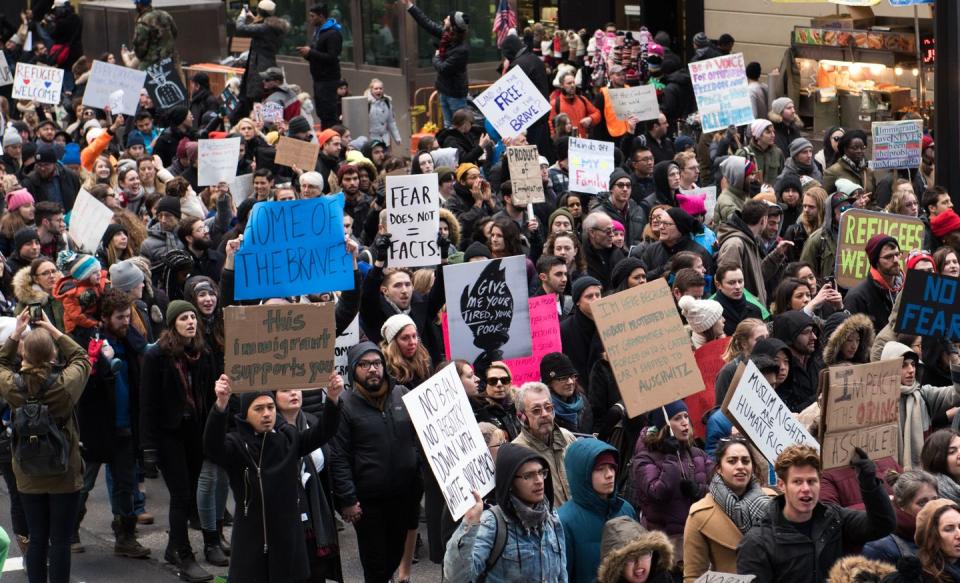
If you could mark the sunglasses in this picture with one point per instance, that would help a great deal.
(498, 380)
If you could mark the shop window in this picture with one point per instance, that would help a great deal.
(381, 32)
(483, 43)
(300, 34)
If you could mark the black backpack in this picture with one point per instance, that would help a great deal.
(40, 447)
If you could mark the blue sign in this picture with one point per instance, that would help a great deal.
(292, 248)
(909, 2)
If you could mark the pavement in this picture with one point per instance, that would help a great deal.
(99, 565)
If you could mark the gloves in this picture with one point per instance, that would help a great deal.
(381, 247)
(88, 298)
(689, 488)
(865, 468)
(670, 445)
(150, 460)
(444, 245)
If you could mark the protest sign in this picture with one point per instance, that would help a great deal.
(647, 346)
(715, 577)
(723, 97)
(591, 162)
(897, 144)
(346, 339)
(524, 164)
(241, 187)
(709, 195)
(106, 79)
(450, 439)
(856, 228)
(762, 416)
(488, 309)
(163, 85)
(89, 220)
(38, 83)
(512, 104)
(272, 112)
(413, 220)
(928, 306)
(292, 152)
(272, 348)
(640, 102)
(217, 160)
(6, 75)
(292, 248)
(861, 408)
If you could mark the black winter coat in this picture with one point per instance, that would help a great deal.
(452, 69)
(658, 255)
(374, 309)
(461, 205)
(581, 343)
(69, 186)
(600, 263)
(266, 37)
(324, 55)
(867, 297)
(468, 149)
(201, 102)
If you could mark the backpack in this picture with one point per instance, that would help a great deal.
(40, 447)
(499, 542)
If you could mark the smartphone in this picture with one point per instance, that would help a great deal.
(36, 312)
(831, 281)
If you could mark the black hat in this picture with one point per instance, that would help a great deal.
(135, 139)
(47, 153)
(169, 204)
(201, 79)
(581, 284)
(247, 399)
(23, 236)
(112, 229)
(622, 270)
(298, 125)
(556, 365)
(477, 249)
(686, 224)
(177, 115)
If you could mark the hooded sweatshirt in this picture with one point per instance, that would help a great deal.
(821, 247)
(733, 196)
(803, 380)
(662, 193)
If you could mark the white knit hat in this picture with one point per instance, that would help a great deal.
(700, 314)
(395, 324)
(312, 178)
(267, 6)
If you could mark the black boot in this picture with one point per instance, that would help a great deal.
(224, 543)
(211, 549)
(227, 517)
(187, 567)
(127, 544)
(75, 545)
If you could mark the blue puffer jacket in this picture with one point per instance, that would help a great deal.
(584, 515)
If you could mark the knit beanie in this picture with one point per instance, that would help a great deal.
(463, 169)
(758, 126)
(693, 204)
(622, 270)
(247, 399)
(876, 244)
(655, 418)
(581, 284)
(558, 212)
(84, 266)
(799, 145)
(135, 139)
(683, 143)
(617, 227)
(23, 236)
(112, 229)
(686, 224)
(176, 308)
(18, 198)
(71, 154)
(701, 40)
(919, 256)
(606, 458)
(846, 187)
(788, 182)
(394, 325)
(169, 204)
(298, 125)
(125, 276)
(926, 515)
(459, 20)
(11, 137)
(325, 136)
(779, 104)
(556, 365)
(618, 174)
(946, 222)
(477, 249)
(700, 314)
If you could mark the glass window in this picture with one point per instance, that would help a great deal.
(483, 43)
(300, 33)
(340, 11)
(381, 32)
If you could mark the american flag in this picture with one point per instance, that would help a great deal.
(505, 19)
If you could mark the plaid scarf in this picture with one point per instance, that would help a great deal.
(745, 511)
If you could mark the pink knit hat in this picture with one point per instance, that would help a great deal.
(618, 226)
(694, 204)
(18, 198)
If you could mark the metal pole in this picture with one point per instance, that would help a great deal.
(916, 32)
(946, 89)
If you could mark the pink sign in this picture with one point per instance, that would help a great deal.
(544, 331)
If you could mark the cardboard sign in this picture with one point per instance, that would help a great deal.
(38, 83)
(647, 347)
(488, 309)
(413, 220)
(928, 306)
(241, 188)
(762, 416)
(451, 439)
(715, 577)
(723, 98)
(861, 408)
(89, 220)
(217, 160)
(591, 162)
(292, 152)
(512, 104)
(6, 75)
(897, 144)
(640, 102)
(164, 86)
(856, 228)
(292, 248)
(524, 164)
(106, 79)
(272, 348)
(349, 337)
(709, 195)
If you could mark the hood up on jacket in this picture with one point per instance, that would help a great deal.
(662, 183)
(25, 290)
(787, 325)
(579, 460)
(354, 355)
(625, 539)
(859, 569)
(859, 324)
(510, 457)
(734, 168)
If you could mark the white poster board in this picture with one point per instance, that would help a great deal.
(217, 160)
(241, 188)
(413, 220)
(106, 79)
(715, 577)
(591, 162)
(451, 439)
(38, 83)
(349, 337)
(723, 97)
(6, 75)
(637, 101)
(89, 220)
(512, 104)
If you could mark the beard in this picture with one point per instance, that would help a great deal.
(201, 244)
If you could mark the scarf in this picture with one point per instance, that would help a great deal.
(916, 421)
(322, 523)
(445, 39)
(948, 488)
(857, 168)
(745, 511)
(879, 280)
(733, 310)
(183, 370)
(569, 412)
(532, 518)
(395, 307)
(376, 398)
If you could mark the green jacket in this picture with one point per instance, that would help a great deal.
(769, 162)
(155, 37)
(820, 251)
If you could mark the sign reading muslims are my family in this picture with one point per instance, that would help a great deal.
(897, 144)
(723, 98)
(856, 228)
(38, 83)
(413, 220)
(512, 104)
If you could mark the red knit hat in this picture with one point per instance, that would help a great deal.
(918, 256)
(944, 223)
(605, 458)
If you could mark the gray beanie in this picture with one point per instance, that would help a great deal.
(125, 276)
(799, 145)
(779, 104)
(11, 137)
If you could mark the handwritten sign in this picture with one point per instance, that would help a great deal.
(723, 98)
(897, 144)
(292, 152)
(856, 228)
(413, 220)
(647, 347)
(451, 439)
(217, 160)
(488, 309)
(292, 248)
(6, 75)
(763, 417)
(715, 577)
(89, 220)
(929, 307)
(272, 348)
(38, 83)
(346, 339)
(106, 79)
(524, 164)
(591, 162)
(163, 84)
(512, 104)
(640, 102)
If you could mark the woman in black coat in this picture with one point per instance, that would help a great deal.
(263, 458)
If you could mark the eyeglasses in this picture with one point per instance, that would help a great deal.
(622, 185)
(567, 378)
(498, 380)
(541, 410)
(370, 364)
(542, 473)
(47, 273)
(891, 256)
(667, 224)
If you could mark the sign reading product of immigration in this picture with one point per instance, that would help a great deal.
(38, 83)
(723, 97)
(856, 228)
(413, 220)
(277, 347)
(647, 347)
(929, 306)
(638, 101)
(524, 164)
(512, 104)
(591, 162)
(106, 79)
(897, 144)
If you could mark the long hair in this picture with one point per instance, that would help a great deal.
(405, 370)
(898, 199)
(176, 345)
(940, 257)
(136, 232)
(819, 197)
(11, 222)
(931, 557)
(512, 244)
(738, 342)
(783, 295)
(579, 262)
(933, 456)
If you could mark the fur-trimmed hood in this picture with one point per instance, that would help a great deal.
(623, 539)
(777, 118)
(858, 569)
(859, 323)
(454, 226)
(26, 291)
(277, 23)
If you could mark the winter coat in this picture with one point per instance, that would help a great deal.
(859, 324)
(202, 101)
(468, 147)
(657, 476)
(786, 133)
(657, 255)
(867, 297)
(264, 470)
(770, 162)
(820, 249)
(452, 68)
(576, 108)
(633, 221)
(800, 389)
(154, 37)
(265, 37)
(856, 569)
(584, 515)
(893, 547)
(67, 181)
(733, 197)
(553, 454)
(662, 193)
(739, 246)
(325, 49)
(600, 262)
(677, 101)
(383, 124)
(622, 543)
(791, 168)
(79, 312)
(462, 206)
(158, 243)
(842, 169)
(28, 293)
(840, 486)
(578, 335)
(775, 551)
(60, 398)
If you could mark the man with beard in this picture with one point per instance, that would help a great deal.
(578, 331)
(799, 332)
(356, 203)
(50, 226)
(329, 158)
(578, 108)
(656, 139)
(540, 433)
(195, 236)
(874, 295)
(374, 463)
(51, 181)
